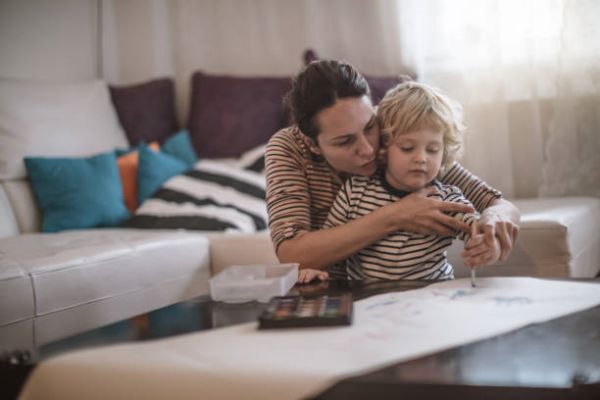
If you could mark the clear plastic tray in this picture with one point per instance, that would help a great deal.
(241, 283)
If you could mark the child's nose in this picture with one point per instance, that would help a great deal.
(420, 156)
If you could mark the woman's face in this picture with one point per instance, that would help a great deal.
(349, 136)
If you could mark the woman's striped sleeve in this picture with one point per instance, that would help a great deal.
(475, 190)
(288, 197)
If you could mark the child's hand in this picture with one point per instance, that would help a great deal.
(308, 275)
(483, 250)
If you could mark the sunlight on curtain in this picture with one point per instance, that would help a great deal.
(573, 150)
(527, 75)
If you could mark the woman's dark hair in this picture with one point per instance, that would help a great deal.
(318, 86)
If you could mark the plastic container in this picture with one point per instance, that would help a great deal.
(241, 283)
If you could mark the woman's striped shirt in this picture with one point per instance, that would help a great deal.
(301, 186)
(401, 254)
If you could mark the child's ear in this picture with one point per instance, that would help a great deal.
(311, 144)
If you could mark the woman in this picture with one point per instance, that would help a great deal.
(336, 136)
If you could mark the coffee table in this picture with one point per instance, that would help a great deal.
(557, 359)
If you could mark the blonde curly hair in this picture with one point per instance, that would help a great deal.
(411, 106)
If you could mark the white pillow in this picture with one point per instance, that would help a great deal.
(54, 120)
(253, 159)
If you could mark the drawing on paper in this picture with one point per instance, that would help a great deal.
(382, 304)
(460, 294)
(511, 301)
(454, 295)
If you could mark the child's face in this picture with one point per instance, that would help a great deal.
(414, 159)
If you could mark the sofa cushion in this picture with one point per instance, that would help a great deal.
(211, 197)
(154, 168)
(127, 162)
(229, 115)
(146, 110)
(379, 85)
(54, 120)
(77, 193)
(251, 160)
(180, 146)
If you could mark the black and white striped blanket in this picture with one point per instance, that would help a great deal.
(213, 196)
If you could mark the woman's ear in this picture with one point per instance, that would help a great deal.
(311, 144)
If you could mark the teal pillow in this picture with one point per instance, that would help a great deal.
(180, 146)
(122, 151)
(77, 193)
(154, 168)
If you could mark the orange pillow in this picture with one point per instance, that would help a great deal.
(128, 164)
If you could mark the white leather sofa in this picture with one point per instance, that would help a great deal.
(59, 284)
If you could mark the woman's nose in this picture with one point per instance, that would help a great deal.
(364, 147)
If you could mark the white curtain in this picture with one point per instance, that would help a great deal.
(145, 39)
(526, 72)
(573, 149)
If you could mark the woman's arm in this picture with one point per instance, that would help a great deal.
(416, 213)
(484, 249)
(499, 217)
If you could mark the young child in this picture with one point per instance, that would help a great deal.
(421, 132)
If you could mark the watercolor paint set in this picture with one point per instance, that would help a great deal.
(300, 311)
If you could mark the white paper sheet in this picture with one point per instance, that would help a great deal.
(242, 362)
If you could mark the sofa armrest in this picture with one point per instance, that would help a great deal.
(240, 249)
(559, 238)
(8, 221)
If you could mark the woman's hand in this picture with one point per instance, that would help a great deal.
(420, 214)
(307, 275)
(500, 221)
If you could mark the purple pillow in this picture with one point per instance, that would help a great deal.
(380, 85)
(146, 110)
(230, 115)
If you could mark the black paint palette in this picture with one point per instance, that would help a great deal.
(300, 311)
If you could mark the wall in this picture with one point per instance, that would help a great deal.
(48, 40)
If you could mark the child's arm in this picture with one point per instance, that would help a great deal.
(338, 215)
(486, 252)
(482, 252)
(453, 194)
